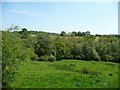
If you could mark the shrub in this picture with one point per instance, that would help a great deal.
(14, 53)
(35, 57)
(60, 49)
(108, 57)
(96, 56)
(44, 45)
(44, 58)
(52, 58)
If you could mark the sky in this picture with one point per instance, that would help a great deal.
(96, 17)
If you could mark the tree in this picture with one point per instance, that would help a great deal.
(89, 52)
(63, 33)
(102, 51)
(44, 45)
(13, 28)
(60, 49)
(83, 33)
(24, 30)
(76, 51)
(0, 47)
(14, 53)
(113, 50)
(24, 33)
(74, 33)
(87, 32)
(79, 33)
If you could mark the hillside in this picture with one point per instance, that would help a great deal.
(67, 74)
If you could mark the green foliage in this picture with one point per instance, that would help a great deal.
(14, 53)
(44, 45)
(87, 32)
(52, 58)
(24, 33)
(83, 33)
(108, 57)
(63, 33)
(95, 56)
(74, 33)
(79, 33)
(86, 47)
(60, 49)
(18, 48)
(0, 47)
(44, 58)
(89, 52)
(77, 51)
(24, 30)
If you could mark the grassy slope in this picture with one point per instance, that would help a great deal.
(67, 74)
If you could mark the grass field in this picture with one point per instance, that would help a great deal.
(67, 74)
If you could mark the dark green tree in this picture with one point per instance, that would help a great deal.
(44, 45)
(24, 33)
(83, 33)
(87, 32)
(74, 33)
(63, 33)
(60, 49)
(79, 33)
(89, 52)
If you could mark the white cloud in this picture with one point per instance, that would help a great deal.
(25, 12)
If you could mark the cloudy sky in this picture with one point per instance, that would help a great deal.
(96, 17)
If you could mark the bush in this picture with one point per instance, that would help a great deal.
(35, 58)
(47, 58)
(96, 56)
(52, 58)
(108, 57)
(44, 45)
(14, 53)
(44, 58)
